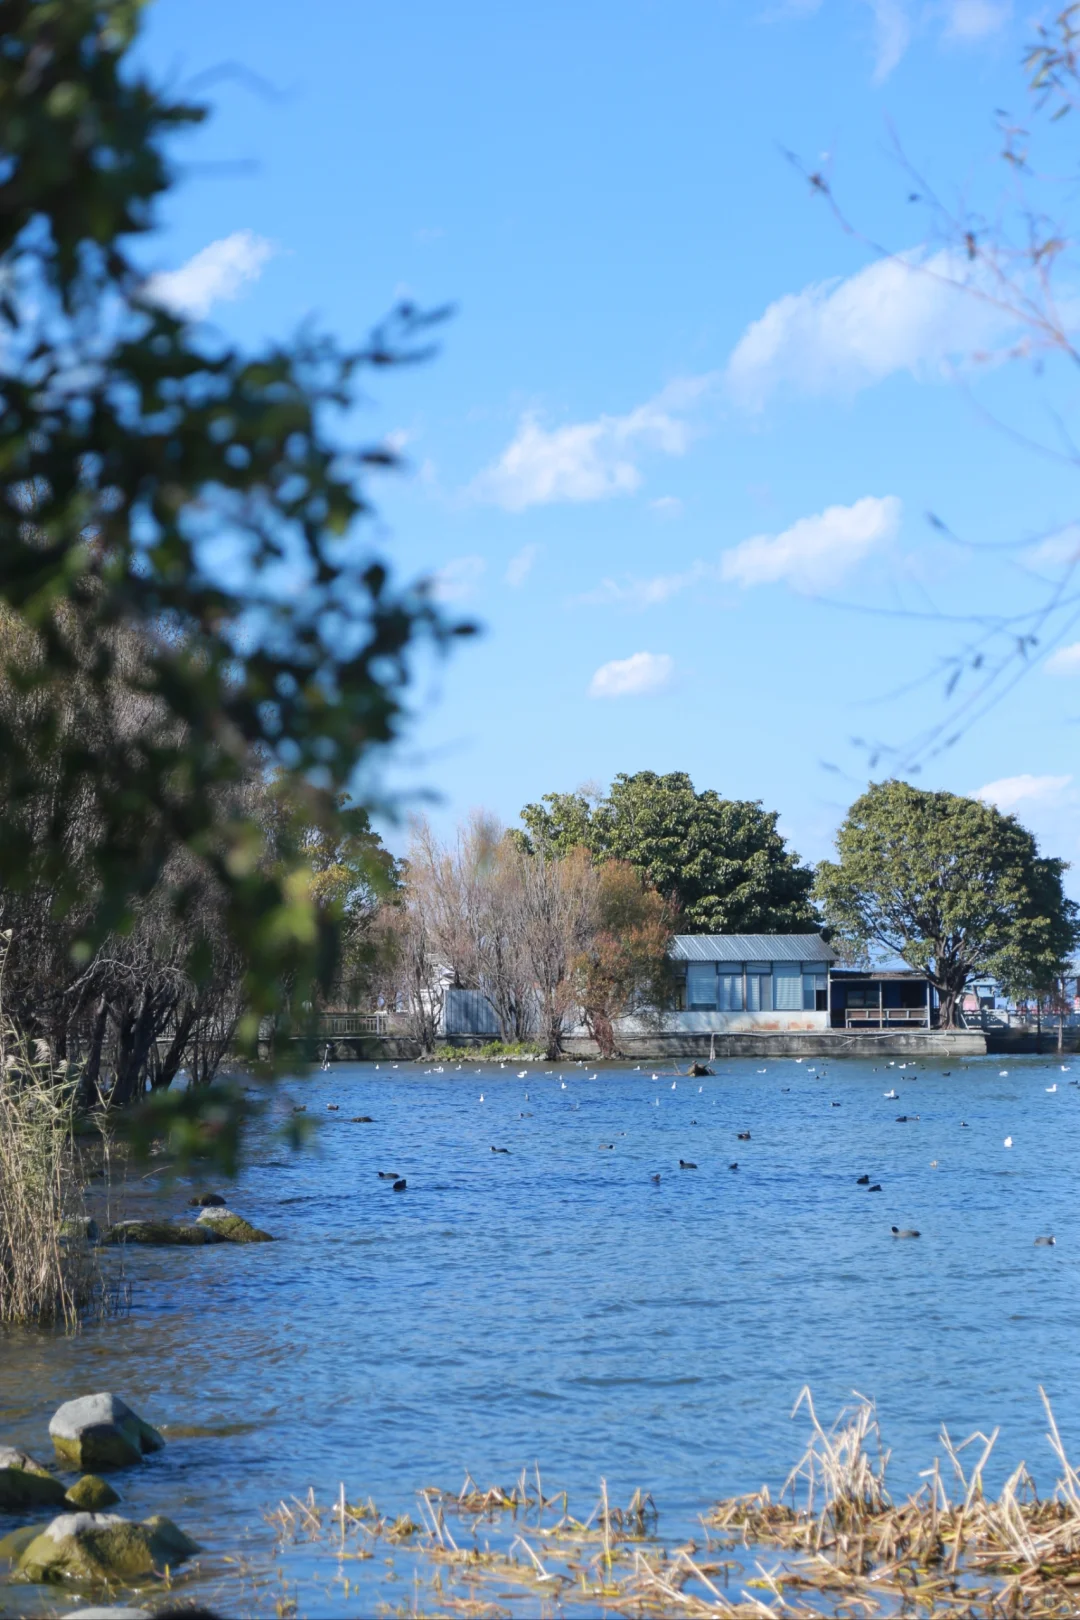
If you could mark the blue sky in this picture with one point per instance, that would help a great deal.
(678, 448)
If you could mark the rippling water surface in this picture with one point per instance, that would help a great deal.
(555, 1303)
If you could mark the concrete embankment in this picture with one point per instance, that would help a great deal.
(660, 1048)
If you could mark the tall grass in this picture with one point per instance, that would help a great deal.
(48, 1270)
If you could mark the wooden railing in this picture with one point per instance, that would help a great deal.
(886, 1015)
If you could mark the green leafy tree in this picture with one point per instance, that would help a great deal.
(721, 863)
(134, 446)
(952, 886)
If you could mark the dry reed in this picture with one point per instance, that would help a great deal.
(48, 1270)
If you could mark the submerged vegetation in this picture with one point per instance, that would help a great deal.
(832, 1543)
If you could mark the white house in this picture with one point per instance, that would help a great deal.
(750, 982)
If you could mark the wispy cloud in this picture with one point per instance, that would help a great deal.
(217, 274)
(641, 673)
(892, 31)
(520, 567)
(1066, 661)
(457, 579)
(1011, 791)
(975, 19)
(907, 313)
(589, 461)
(629, 591)
(815, 551)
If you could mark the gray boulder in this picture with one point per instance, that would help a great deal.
(101, 1431)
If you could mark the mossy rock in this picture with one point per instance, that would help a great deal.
(101, 1431)
(15, 1543)
(91, 1494)
(79, 1229)
(103, 1547)
(161, 1234)
(232, 1228)
(26, 1484)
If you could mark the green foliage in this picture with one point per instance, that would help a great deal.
(950, 885)
(134, 449)
(720, 862)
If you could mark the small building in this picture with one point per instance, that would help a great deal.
(726, 983)
(881, 999)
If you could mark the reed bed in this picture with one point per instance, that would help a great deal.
(48, 1268)
(833, 1543)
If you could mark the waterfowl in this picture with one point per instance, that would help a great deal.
(836, 1105)
(945, 1073)
(685, 1164)
(1045, 1242)
(863, 1181)
(908, 1231)
(1053, 1087)
(361, 1119)
(333, 1107)
(744, 1136)
(500, 1150)
(1008, 1141)
(301, 1108)
(399, 1186)
(389, 1175)
(734, 1166)
(875, 1188)
(891, 1096)
(607, 1147)
(656, 1178)
(964, 1126)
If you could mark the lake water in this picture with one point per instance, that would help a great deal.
(555, 1303)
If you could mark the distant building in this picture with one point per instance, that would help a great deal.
(749, 982)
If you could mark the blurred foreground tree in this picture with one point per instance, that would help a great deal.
(952, 886)
(720, 863)
(148, 692)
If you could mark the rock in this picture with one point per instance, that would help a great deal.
(230, 1228)
(110, 1614)
(101, 1431)
(207, 1201)
(24, 1483)
(103, 1547)
(79, 1227)
(91, 1493)
(13, 1546)
(160, 1234)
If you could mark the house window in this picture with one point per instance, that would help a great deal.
(729, 986)
(814, 992)
(787, 987)
(701, 986)
(759, 987)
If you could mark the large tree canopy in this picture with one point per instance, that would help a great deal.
(950, 885)
(720, 862)
(136, 452)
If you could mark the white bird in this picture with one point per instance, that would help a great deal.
(481, 1096)
(762, 1071)
(1008, 1141)
(564, 1085)
(656, 1077)
(700, 1090)
(1002, 1073)
(1053, 1087)
(524, 1075)
(674, 1083)
(891, 1095)
(1064, 1068)
(798, 1060)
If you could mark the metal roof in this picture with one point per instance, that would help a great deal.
(751, 948)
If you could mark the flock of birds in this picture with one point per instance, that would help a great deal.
(400, 1184)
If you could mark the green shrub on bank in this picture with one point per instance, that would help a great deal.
(490, 1052)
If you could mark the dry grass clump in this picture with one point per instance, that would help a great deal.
(48, 1272)
(835, 1544)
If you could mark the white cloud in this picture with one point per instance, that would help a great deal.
(975, 19)
(892, 29)
(520, 567)
(217, 274)
(667, 506)
(908, 313)
(645, 593)
(589, 461)
(632, 677)
(815, 551)
(457, 579)
(1066, 661)
(1026, 789)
